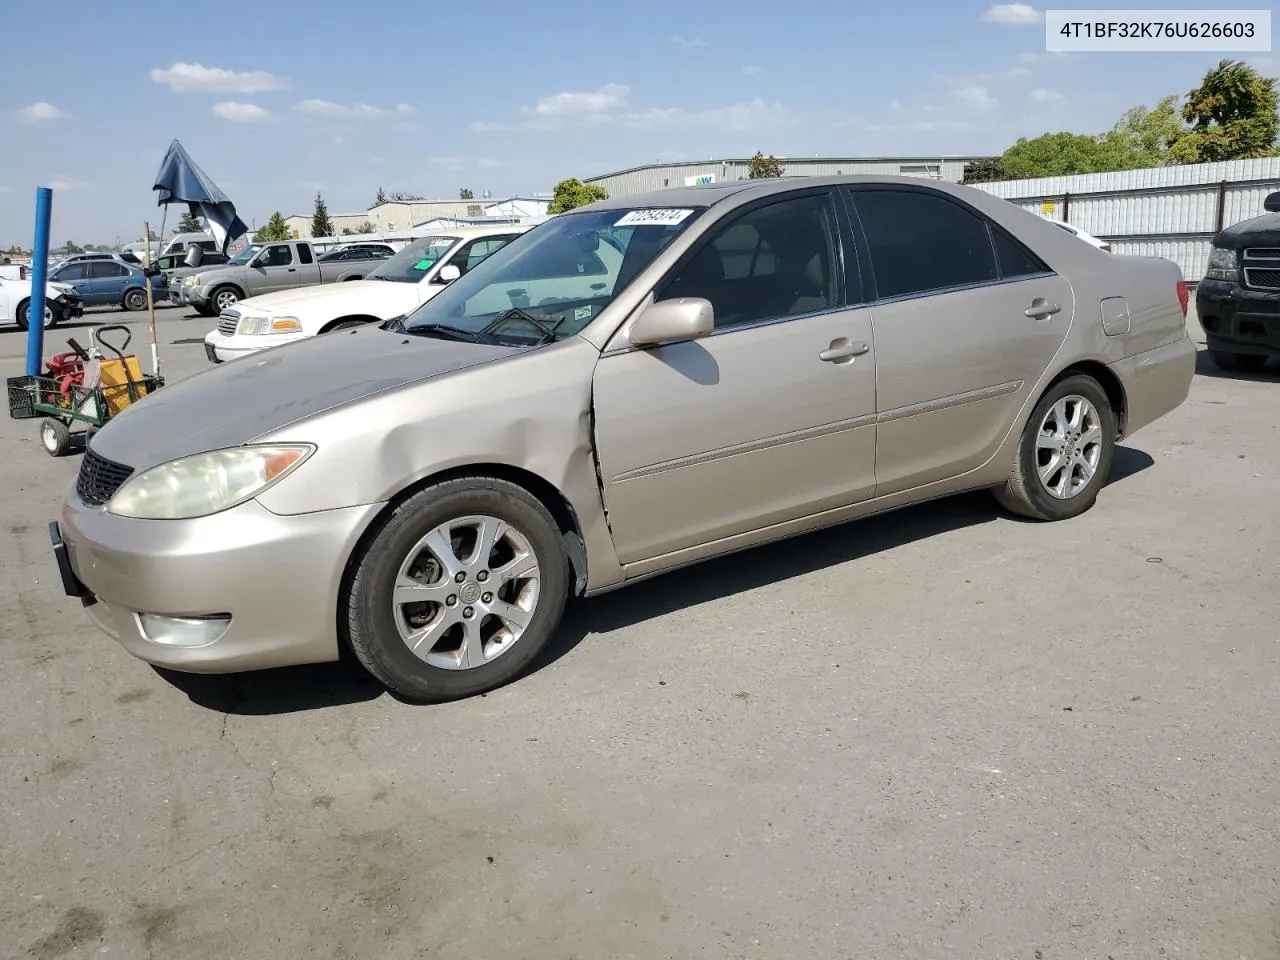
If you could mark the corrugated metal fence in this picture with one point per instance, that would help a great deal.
(1168, 212)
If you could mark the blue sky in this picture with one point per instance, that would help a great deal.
(512, 97)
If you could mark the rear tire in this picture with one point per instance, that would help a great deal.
(135, 300)
(470, 639)
(1064, 455)
(1237, 362)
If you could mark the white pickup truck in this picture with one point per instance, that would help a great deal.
(397, 286)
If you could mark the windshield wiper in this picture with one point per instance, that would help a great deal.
(515, 313)
(444, 331)
(395, 324)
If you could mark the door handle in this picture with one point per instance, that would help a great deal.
(841, 350)
(293, 269)
(1041, 308)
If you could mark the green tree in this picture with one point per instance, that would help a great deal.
(466, 194)
(366, 227)
(572, 192)
(320, 223)
(1054, 155)
(72, 248)
(276, 229)
(381, 197)
(1232, 114)
(190, 223)
(761, 167)
(986, 170)
(1146, 138)
(405, 197)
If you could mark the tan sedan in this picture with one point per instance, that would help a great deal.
(624, 390)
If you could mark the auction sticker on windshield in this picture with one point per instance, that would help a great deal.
(423, 264)
(659, 218)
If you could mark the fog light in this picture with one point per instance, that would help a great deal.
(183, 631)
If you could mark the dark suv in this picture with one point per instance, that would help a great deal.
(1238, 301)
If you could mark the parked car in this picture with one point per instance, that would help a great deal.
(1086, 237)
(358, 252)
(60, 303)
(124, 256)
(273, 267)
(762, 359)
(101, 282)
(393, 288)
(172, 262)
(1238, 300)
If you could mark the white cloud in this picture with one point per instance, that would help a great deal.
(197, 78)
(1016, 13)
(41, 112)
(594, 104)
(974, 97)
(689, 44)
(66, 185)
(738, 116)
(483, 126)
(488, 163)
(405, 110)
(240, 112)
(345, 111)
(1045, 96)
(1034, 58)
(753, 70)
(1019, 72)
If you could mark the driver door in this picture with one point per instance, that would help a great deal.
(275, 268)
(771, 418)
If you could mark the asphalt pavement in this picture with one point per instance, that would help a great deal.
(938, 733)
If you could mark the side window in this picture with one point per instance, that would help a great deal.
(71, 272)
(923, 241)
(778, 261)
(304, 254)
(106, 270)
(1015, 260)
(277, 255)
(482, 249)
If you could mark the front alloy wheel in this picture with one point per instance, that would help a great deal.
(458, 590)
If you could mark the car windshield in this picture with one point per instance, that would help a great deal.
(244, 256)
(552, 281)
(412, 263)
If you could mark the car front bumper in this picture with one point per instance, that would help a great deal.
(1237, 319)
(244, 589)
(222, 348)
(70, 306)
(196, 296)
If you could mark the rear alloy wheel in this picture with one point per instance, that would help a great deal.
(459, 590)
(135, 300)
(1065, 453)
(1242, 362)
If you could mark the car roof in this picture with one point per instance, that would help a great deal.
(708, 195)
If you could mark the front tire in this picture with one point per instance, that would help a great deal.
(52, 315)
(347, 325)
(1238, 362)
(1065, 452)
(458, 591)
(224, 297)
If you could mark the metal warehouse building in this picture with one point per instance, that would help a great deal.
(656, 176)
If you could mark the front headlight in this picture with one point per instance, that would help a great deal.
(259, 326)
(206, 483)
(1222, 265)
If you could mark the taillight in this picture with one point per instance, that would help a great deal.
(1184, 297)
(22, 273)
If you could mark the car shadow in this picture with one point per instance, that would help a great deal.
(1205, 367)
(317, 686)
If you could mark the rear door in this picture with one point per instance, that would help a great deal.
(106, 281)
(965, 325)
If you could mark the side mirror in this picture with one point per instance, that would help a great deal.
(1272, 203)
(669, 321)
(448, 273)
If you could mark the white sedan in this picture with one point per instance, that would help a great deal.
(60, 302)
(396, 287)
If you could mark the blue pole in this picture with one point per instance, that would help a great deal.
(39, 269)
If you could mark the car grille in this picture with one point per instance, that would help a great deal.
(1262, 279)
(100, 478)
(228, 322)
(1262, 253)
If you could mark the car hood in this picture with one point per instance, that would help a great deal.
(378, 298)
(1263, 231)
(237, 402)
